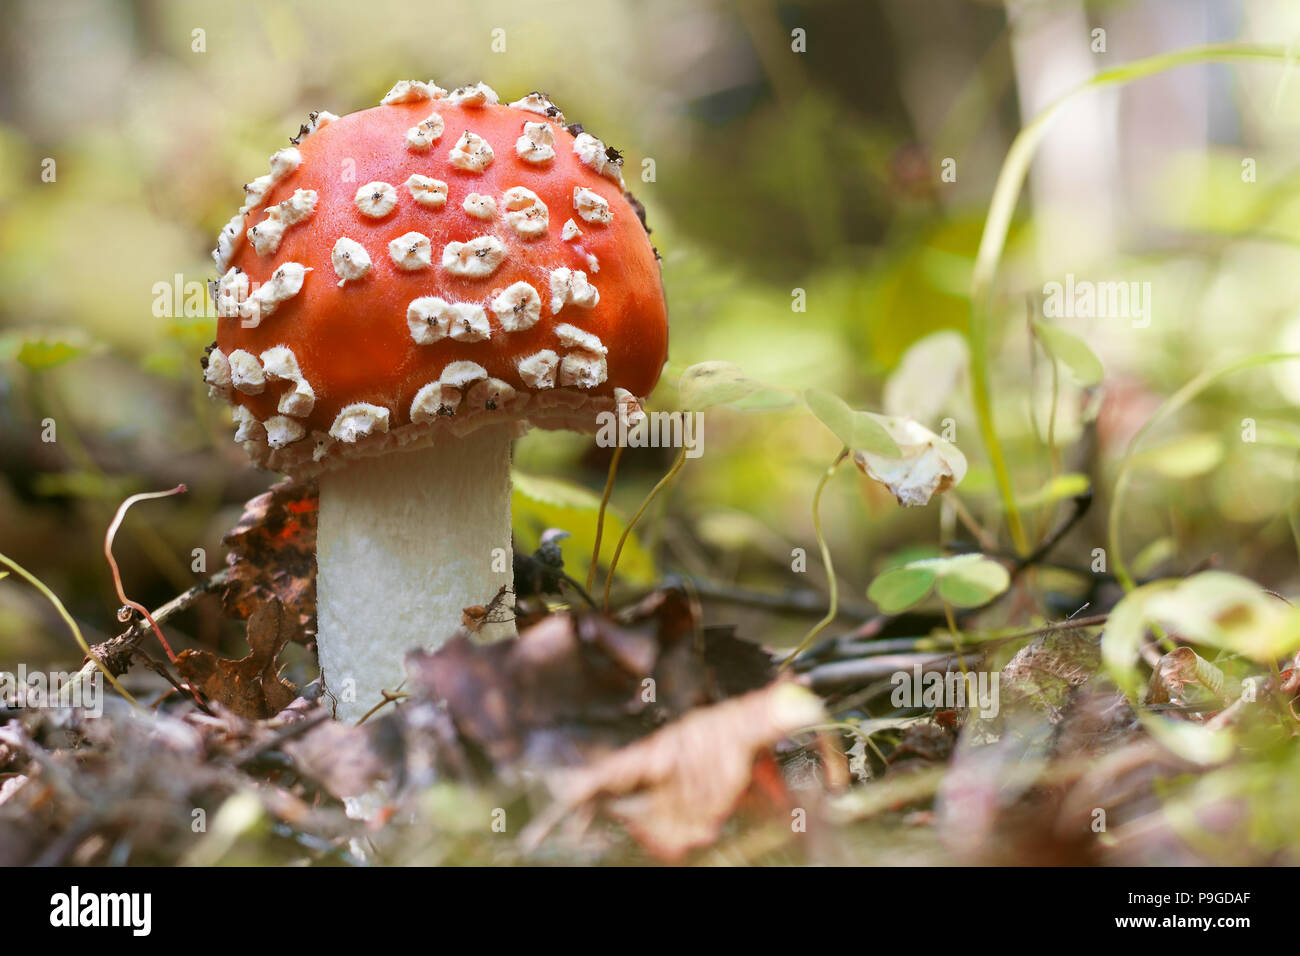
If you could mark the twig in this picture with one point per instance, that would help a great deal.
(803, 601)
(838, 674)
(316, 844)
(1081, 505)
(1066, 625)
(986, 541)
(389, 698)
(582, 592)
(843, 671)
(116, 652)
(283, 736)
(165, 674)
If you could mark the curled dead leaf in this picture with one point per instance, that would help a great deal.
(273, 555)
(675, 789)
(251, 686)
(929, 465)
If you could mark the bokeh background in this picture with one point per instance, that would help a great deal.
(796, 147)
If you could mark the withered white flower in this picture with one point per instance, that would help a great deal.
(929, 465)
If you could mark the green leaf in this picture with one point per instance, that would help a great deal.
(898, 589)
(765, 399)
(1194, 742)
(1002, 208)
(165, 363)
(44, 350)
(963, 580)
(971, 580)
(1228, 612)
(1212, 608)
(929, 372)
(1057, 489)
(857, 431)
(539, 503)
(714, 383)
(1072, 352)
(1122, 636)
(83, 484)
(1153, 555)
(909, 554)
(1184, 457)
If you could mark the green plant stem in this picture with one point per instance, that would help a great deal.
(831, 583)
(600, 516)
(1053, 455)
(1172, 404)
(622, 539)
(956, 636)
(53, 598)
(1002, 208)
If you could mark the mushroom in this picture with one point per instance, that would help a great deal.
(392, 343)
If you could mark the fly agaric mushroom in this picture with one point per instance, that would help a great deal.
(409, 288)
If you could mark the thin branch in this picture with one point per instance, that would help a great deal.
(802, 601)
(116, 652)
(284, 735)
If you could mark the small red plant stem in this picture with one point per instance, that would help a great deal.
(112, 562)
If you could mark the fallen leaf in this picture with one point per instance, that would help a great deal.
(273, 555)
(1184, 678)
(675, 789)
(575, 686)
(341, 757)
(251, 686)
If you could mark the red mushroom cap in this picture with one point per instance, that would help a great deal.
(439, 262)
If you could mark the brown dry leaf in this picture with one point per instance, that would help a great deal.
(928, 466)
(536, 698)
(273, 554)
(342, 757)
(573, 686)
(251, 687)
(676, 788)
(1045, 672)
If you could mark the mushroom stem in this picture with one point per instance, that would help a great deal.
(404, 543)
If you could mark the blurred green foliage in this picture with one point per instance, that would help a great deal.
(808, 241)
